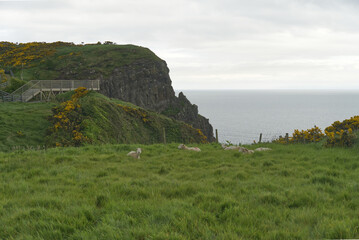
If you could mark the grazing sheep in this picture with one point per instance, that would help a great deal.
(135, 154)
(233, 148)
(262, 149)
(245, 150)
(182, 146)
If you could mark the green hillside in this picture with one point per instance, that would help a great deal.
(300, 191)
(44, 61)
(105, 121)
(23, 124)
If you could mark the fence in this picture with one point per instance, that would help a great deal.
(45, 88)
(237, 137)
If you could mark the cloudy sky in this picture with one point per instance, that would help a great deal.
(210, 44)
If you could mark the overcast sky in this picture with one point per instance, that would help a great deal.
(210, 44)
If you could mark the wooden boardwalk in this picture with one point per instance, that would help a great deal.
(44, 90)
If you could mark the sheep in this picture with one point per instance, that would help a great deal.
(245, 150)
(135, 154)
(233, 148)
(261, 149)
(182, 146)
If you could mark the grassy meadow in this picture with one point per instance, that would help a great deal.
(23, 124)
(97, 192)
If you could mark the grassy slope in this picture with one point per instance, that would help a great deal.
(97, 192)
(28, 118)
(80, 59)
(106, 123)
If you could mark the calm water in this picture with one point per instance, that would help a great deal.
(240, 116)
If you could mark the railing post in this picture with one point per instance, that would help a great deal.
(287, 138)
(41, 91)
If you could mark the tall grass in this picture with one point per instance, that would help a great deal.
(23, 125)
(97, 192)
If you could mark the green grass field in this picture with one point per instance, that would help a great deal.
(23, 124)
(97, 192)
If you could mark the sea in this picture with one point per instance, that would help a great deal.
(240, 116)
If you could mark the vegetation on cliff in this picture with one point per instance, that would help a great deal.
(127, 72)
(94, 118)
(39, 60)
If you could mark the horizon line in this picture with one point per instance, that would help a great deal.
(267, 89)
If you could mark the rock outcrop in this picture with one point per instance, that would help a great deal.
(146, 83)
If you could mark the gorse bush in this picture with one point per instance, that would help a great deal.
(3, 77)
(314, 134)
(341, 133)
(134, 112)
(13, 55)
(67, 121)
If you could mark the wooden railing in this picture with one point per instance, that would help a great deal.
(35, 87)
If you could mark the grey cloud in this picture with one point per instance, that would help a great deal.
(284, 43)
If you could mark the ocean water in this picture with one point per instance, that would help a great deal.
(241, 115)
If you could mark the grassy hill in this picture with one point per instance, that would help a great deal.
(44, 61)
(106, 121)
(97, 192)
(23, 124)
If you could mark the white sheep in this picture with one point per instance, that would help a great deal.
(262, 149)
(233, 148)
(184, 147)
(135, 154)
(245, 150)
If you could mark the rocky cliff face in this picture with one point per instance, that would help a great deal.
(147, 84)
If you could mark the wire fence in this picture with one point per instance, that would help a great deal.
(245, 137)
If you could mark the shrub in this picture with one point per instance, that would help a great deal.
(15, 83)
(137, 113)
(341, 133)
(314, 134)
(67, 122)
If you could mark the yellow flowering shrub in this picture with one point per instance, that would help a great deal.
(341, 133)
(13, 55)
(314, 134)
(134, 112)
(202, 136)
(67, 122)
(3, 77)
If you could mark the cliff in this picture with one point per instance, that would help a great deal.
(127, 72)
(147, 84)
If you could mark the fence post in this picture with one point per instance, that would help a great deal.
(216, 135)
(164, 136)
(286, 137)
(260, 138)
